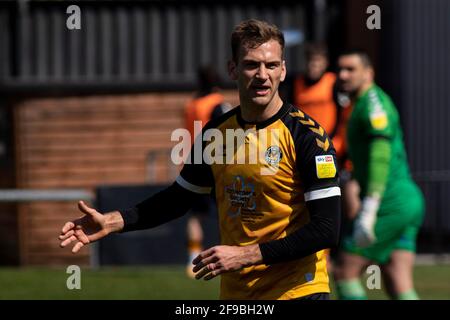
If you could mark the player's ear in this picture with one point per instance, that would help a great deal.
(369, 74)
(283, 70)
(232, 70)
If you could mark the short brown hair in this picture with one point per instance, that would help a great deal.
(253, 33)
(361, 53)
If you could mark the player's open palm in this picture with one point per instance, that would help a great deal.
(89, 228)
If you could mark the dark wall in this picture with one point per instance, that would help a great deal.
(410, 54)
(9, 238)
(127, 44)
(415, 70)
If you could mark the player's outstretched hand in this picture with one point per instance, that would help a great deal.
(89, 228)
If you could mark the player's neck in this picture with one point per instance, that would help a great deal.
(364, 88)
(257, 113)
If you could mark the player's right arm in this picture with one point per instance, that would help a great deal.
(194, 181)
(380, 131)
(164, 206)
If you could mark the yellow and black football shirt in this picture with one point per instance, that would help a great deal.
(264, 200)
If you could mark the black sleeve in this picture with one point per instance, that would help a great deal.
(164, 206)
(320, 233)
(195, 180)
(316, 162)
(217, 111)
(196, 175)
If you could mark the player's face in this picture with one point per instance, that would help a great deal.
(316, 66)
(352, 73)
(258, 73)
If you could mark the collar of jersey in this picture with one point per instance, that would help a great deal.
(365, 93)
(260, 125)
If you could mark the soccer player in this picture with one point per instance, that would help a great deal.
(392, 205)
(277, 215)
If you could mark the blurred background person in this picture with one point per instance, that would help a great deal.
(315, 93)
(207, 104)
(392, 206)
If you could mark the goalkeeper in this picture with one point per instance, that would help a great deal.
(392, 205)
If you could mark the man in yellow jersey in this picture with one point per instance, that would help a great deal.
(276, 214)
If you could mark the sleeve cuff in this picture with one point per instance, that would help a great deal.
(130, 217)
(322, 193)
(264, 253)
(192, 187)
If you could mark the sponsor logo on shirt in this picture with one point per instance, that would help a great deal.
(325, 167)
(377, 115)
(378, 120)
(242, 198)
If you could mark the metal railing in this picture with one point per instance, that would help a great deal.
(28, 195)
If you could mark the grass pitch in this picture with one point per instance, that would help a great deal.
(161, 283)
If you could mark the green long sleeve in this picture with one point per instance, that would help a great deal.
(379, 160)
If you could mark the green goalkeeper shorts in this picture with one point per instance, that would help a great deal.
(396, 228)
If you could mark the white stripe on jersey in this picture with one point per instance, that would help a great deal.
(192, 187)
(322, 193)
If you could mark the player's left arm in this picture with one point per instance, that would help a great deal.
(317, 166)
(320, 233)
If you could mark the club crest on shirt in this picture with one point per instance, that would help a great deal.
(273, 155)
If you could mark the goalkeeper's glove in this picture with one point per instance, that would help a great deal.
(364, 227)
